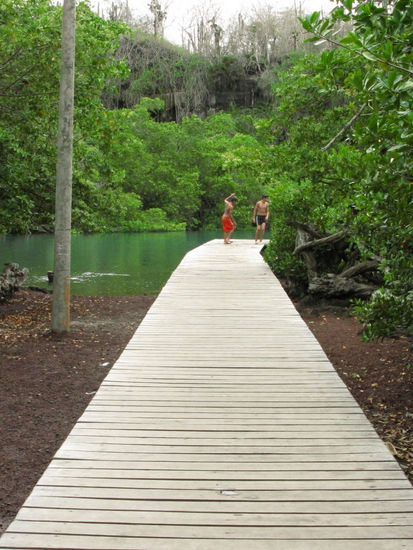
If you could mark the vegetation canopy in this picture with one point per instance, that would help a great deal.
(316, 111)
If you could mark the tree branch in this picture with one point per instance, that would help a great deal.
(320, 242)
(336, 43)
(11, 58)
(344, 128)
(368, 265)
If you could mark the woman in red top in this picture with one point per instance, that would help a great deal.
(228, 222)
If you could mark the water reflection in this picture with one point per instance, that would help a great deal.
(113, 264)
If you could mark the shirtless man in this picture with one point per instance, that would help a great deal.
(260, 217)
(228, 222)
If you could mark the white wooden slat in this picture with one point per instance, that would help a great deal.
(338, 468)
(244, 442)
(225, 494)
(226, 456)
(21, 541)
(207, 432)
(222, 519)
(375, 448)
(246, 409)
(214, 532)
(213, 484)
(229, 413)
(188, 472)
(215, 506)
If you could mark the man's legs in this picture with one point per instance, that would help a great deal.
(262, 229)
(256, 233)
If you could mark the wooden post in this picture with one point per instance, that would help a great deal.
(63, 213)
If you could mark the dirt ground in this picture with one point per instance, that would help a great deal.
(46, 381)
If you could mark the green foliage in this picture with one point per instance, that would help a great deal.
(116, 211)
(363, 183)
(29, 88)
(390, 310)
(289, 201)
(333, 148)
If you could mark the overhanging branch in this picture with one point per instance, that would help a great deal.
(344, 128)
(339, 236)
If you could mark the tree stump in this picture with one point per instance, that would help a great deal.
(11, 280)
(334, 269)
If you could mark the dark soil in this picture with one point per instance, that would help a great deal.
(46, 381)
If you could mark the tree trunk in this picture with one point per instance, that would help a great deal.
(302, 241)
(330, 285)
(61, 283)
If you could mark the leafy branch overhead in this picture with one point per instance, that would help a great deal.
(380, 33)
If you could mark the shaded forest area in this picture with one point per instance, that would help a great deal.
(314, 111)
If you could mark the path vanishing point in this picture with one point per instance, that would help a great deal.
(222, 426)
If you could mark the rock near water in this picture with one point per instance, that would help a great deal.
(11, 279)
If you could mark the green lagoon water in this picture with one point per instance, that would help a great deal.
(109, 264)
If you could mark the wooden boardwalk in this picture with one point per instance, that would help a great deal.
(222, 426)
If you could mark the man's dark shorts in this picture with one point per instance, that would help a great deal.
(260, 220)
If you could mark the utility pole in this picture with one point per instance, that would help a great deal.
(63, 211)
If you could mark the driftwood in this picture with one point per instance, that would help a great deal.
(363, 267)
(322, 254)
(11, 280)
(319, 242)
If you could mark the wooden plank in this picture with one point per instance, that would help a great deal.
(216, 506)
(246, 409)
(226, 456)
(157, 530)
(207, 432)
(208, 464)
(241, 441)
(75, 542)
(215, 518)
(187, 471)
(224, 494)
(294, 419)
(341, 423)
(222, 448)
(195, 484)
